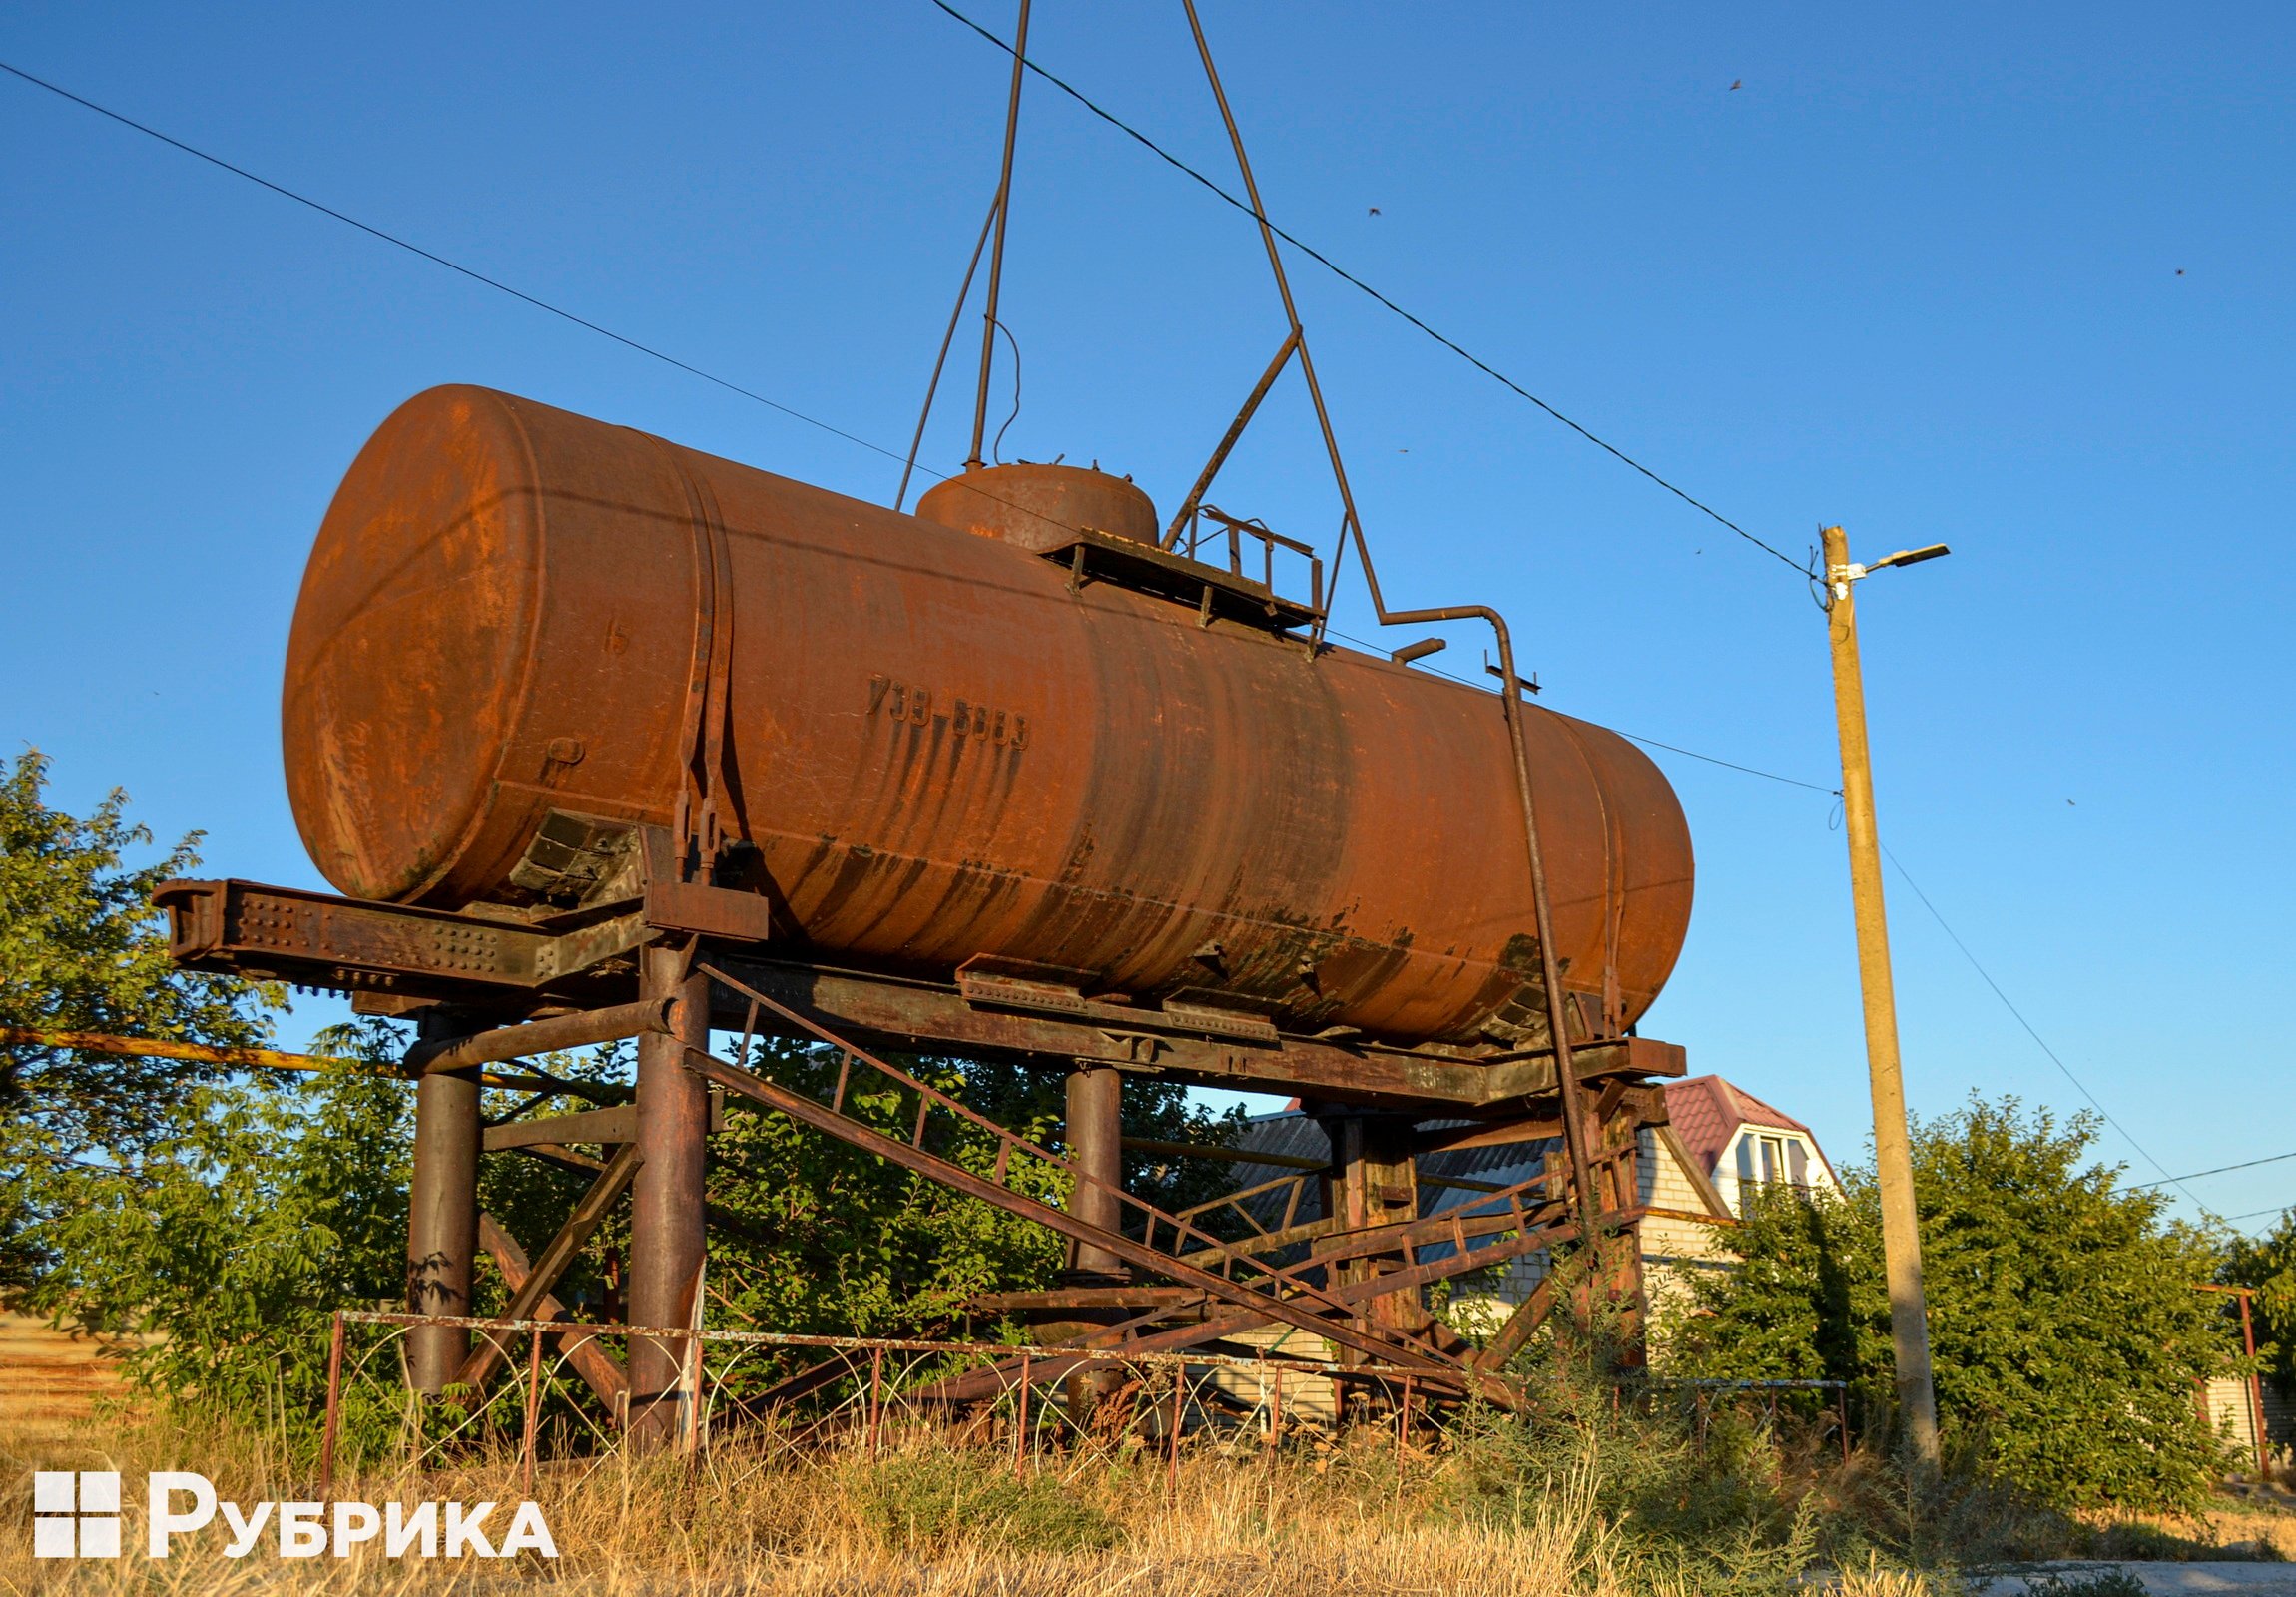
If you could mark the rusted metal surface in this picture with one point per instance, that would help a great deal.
(1040, 508)
(1095, 1132)
(442, 1216)
(935, 748)
(292, 934)
(502, 1043)
(667, 1198)
(1299, 1300)
(414, 963)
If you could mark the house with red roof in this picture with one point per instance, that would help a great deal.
(1735, 1141)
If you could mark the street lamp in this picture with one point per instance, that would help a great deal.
(1893, 1153)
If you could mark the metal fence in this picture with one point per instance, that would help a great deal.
(788, 1398)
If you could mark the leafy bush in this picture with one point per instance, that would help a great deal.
(2064, 1331)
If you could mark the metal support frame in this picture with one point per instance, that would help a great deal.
(442, 1214)
(544, 986)
(527, 1297)
(667, 1206)
(973, 461)
(1095, 1137)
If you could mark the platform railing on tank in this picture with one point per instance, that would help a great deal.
(1239, 528)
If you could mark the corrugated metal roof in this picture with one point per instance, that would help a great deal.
(1292, 1135)
(1707, 1112)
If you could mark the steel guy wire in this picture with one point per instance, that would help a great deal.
(2167, 1179)
(1348, 277)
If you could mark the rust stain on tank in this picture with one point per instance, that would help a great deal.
(941, 749)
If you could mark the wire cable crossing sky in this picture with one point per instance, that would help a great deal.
(1348, 277)
(1791, 262)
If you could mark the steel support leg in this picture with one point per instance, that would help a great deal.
(1095, 1139)
(1096, 1148)
(442, 1214)
(666, 1217)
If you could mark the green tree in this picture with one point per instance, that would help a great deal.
(255, 1212)
(2268, 1264)
(82, 950)
(2064, 1331)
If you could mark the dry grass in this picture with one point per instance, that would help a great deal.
(920, 1522)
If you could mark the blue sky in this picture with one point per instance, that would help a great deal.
(2014, 278)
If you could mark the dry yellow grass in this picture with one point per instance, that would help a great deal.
(1344, 1520)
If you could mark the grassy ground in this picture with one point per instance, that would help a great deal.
(1601, 1506)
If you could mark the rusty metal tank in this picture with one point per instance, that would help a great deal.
(938, 743)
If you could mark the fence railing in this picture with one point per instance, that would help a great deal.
(853, 1393)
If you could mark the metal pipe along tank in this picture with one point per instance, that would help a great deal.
(939, 745)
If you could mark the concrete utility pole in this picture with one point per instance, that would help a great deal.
(1893, 1153)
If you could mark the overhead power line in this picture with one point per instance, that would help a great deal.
(2195, 1175)
(1348, 277)
(496, 283)
(1715, 760)
(2079, 1086)
(796, 414)
(1691, 753)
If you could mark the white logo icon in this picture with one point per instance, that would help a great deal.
(76, 1515)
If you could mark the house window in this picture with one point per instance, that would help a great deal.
(1770, 1159)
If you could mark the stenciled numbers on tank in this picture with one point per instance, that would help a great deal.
(911, 701)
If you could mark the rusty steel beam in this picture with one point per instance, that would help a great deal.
(910, 1015)
(1229, 438)
(591, 1361)
(1064, 1298)
(557, 1254)
(908, 1157)
(1110, 1342)
(352, 944)
(616, 1125)
(503, 1043)
(316, 938)
(1521, 1326)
